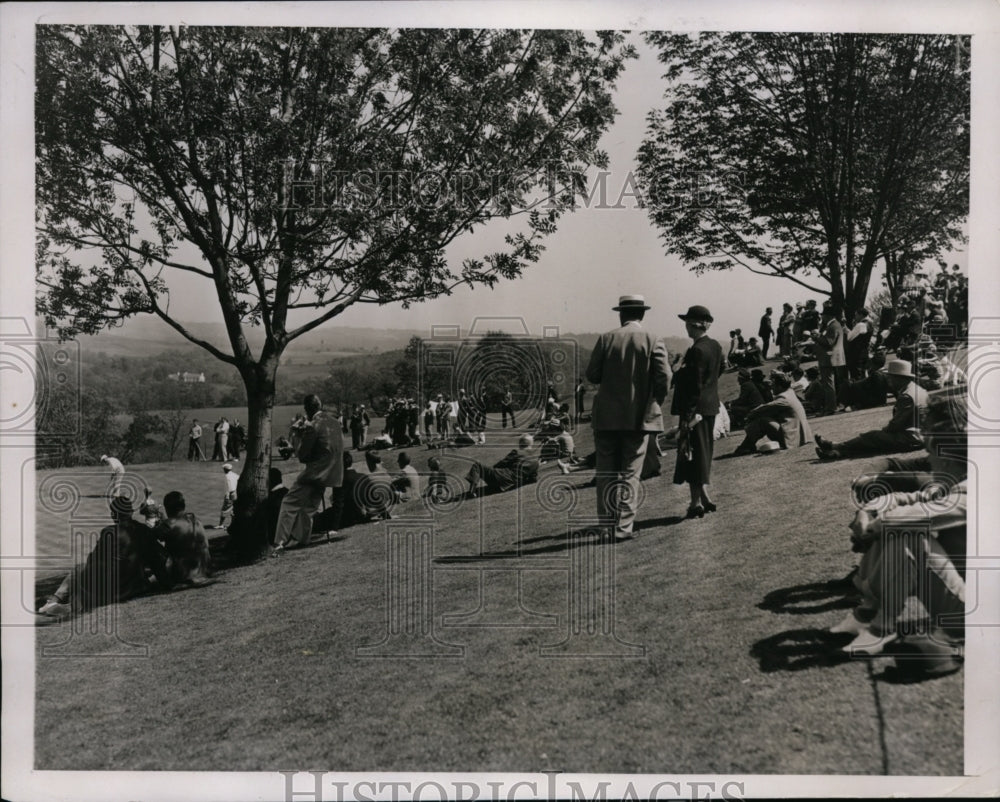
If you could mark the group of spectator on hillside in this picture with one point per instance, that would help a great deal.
(634, 376)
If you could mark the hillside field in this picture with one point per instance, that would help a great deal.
(501, 635)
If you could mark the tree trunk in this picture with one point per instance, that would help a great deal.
(248, 533)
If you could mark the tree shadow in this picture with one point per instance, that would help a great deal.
(800, 649)
(812, 598)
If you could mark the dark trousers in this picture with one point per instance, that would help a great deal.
(505, 410)
(765, 343)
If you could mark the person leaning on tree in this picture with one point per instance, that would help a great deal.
(320, 445)
(630, 368)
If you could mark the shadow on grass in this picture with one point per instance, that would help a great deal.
(669, 520)
(814, 597)
(553, 544)
(800, 649)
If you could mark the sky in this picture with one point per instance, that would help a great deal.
(595, 255)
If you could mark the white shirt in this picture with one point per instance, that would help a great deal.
(115, 465)
(231, 480)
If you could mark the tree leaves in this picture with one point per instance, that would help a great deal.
(841, 149)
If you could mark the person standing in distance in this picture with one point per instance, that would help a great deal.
(765, 331)
(630, 367)
(696, 403)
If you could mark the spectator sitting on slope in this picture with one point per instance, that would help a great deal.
(902, 433)
(912, 590)
(748, 398)
(116, 569)
(518, 467)
(782, 420)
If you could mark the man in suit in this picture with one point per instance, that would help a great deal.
(782, 420)
(765, 331)
(829, 343)
(902, 433)
(320, 445)
(630, 367)
(696, 403)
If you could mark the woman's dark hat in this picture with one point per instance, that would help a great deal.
(697, 313)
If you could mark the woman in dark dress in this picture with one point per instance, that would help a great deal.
(696, 402)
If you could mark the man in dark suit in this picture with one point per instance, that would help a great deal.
(696, 403)
(630, 367)
(765, 331)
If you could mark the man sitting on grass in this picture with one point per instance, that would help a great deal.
(782, 420)
(910, 543)
(116, 569)
(813, 398)
(407, 481)
(871, 391)
(184, 538)
(373, 493)
(748, 398)
(902, 433)
(518, 467)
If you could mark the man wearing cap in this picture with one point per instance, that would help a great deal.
(696, 403)
(630, 367)
(320, 445)
(902, 433)
(783, 420)
(229, 497)
(829, 344)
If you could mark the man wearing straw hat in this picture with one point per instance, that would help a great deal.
(629, 365)
(902, 433)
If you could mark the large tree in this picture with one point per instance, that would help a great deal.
(809, 157)
(298, 172)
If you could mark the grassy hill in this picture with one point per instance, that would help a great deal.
(700, 646)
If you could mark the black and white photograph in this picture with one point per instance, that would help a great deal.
(499, 400)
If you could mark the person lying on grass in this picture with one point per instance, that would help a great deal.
(902, 433)
(117, 568)
(911, 588)
(518, 467)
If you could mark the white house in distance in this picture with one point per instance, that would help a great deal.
(187, 378)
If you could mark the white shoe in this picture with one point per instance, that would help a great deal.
(868, 643)
(562, 466)
(849, 625)
(54, 608)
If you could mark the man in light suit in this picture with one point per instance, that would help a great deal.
(782, 420)
(630, 367)
(320, 445)
(901, 433)
(830, 356)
